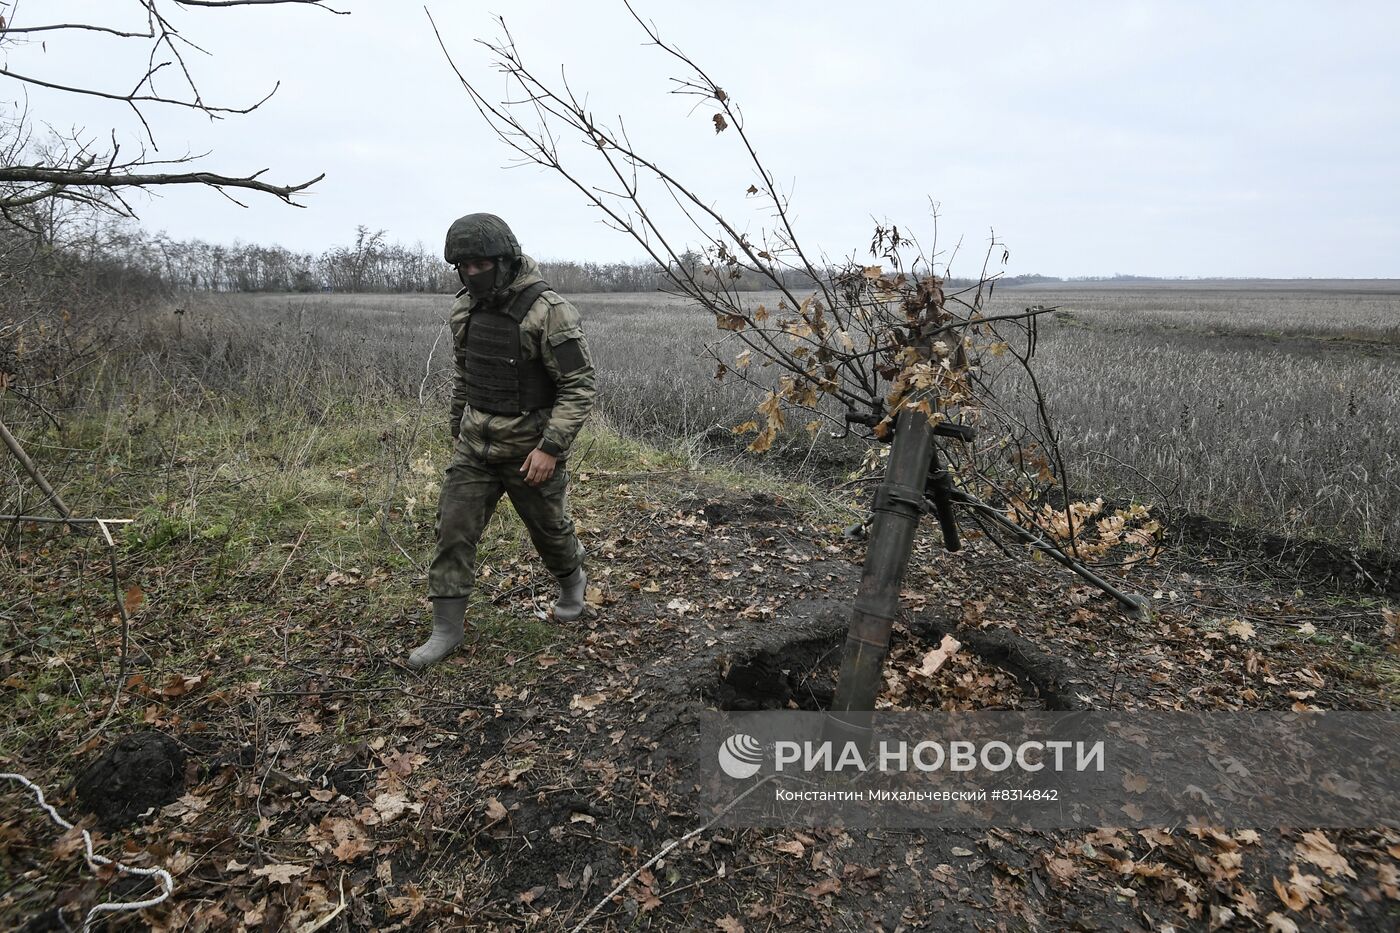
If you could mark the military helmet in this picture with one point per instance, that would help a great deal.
(477, 236)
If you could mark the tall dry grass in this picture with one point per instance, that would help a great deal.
(1279, 409)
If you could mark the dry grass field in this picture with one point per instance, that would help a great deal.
(279, 459)
(1278, 407)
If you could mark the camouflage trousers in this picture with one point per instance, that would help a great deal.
(471, 488)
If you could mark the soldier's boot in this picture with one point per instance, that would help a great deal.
(569, 606)
(448, 617)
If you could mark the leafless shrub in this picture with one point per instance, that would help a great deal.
(848, 343)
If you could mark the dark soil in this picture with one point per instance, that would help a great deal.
(751, 613)
(756, 507)
(536, 787)
(139, 774)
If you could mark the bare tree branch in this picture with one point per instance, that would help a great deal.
(315, 3)
(61, 179)
(873, 339)
(134, 98)
(7, 30)
(72, 168)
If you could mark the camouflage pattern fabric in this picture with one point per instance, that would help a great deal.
(478, 235)
(552, 330)
(470, 491)
(490, 449)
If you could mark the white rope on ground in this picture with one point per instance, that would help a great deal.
(95, 860)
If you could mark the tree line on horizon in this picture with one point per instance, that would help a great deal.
(369, 263)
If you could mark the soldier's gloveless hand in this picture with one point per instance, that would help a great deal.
(538, 467)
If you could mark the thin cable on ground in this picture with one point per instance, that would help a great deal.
(95, 861)
(665, 850)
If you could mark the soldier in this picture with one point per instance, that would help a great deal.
(524, 386)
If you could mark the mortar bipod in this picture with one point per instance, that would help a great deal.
(938, 493)
(938, 487)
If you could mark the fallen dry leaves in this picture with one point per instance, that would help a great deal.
(1319, 850)
(281, 874)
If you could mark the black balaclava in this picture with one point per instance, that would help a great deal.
(479, 286)
(487, 285)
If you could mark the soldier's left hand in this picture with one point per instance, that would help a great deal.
(538, 467)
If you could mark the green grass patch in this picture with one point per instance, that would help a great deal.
(283, 545)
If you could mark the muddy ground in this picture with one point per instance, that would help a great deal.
(345, 792)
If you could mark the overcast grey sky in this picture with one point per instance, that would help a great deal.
(1155, 138)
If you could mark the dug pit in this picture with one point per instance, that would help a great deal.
(990, 669)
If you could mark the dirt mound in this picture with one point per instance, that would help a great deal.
(141, 772)
(756, 507)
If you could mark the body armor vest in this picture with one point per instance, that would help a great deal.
(500, 380)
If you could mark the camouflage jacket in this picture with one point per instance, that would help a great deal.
(550, 322)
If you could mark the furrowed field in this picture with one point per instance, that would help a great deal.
(1277, 407)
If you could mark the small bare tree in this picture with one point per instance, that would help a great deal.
(854, 343)
(872, 345)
